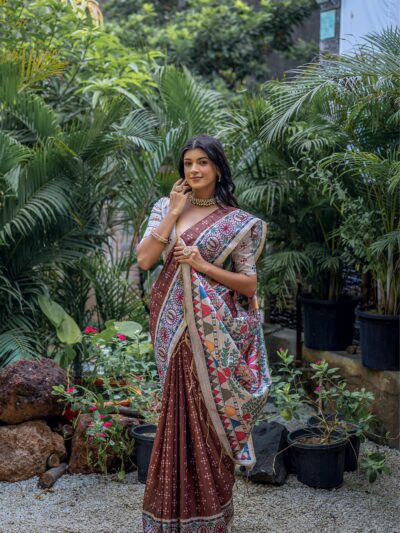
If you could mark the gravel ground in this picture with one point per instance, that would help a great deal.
(98, 504)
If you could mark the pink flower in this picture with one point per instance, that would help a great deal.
(90, 437)
(70, 390)
(101, 435)
(317, 388)
(102, 416)
(107, 424)
(93, 408)
(88, 329)
(121, 337)
(318, 362)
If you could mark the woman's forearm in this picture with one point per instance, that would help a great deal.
(149, 251)
(241, 283)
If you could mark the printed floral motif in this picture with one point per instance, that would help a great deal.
(231, 341)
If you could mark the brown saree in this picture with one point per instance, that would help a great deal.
(191, 473)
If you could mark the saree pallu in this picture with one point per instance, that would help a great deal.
(212, 362)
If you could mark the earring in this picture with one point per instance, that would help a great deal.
(219, 177)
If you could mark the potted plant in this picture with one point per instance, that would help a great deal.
(278, 180)
(370, 232)
(319, 451)
(349, 102)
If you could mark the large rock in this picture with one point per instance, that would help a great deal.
(25, 390)
(25, 448)
(80, 448)
(269, 438)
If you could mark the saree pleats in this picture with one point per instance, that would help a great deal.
(190, 479)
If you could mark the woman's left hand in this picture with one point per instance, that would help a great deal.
(195, 259)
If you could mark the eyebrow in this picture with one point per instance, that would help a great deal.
(202, 157)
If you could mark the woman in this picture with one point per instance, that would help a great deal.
(208, 341)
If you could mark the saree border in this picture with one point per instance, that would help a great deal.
(200, 361)
(197, 346)
(185, 521)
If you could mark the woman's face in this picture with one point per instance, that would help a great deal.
(200, 172)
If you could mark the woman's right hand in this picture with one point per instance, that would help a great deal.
(177, 200)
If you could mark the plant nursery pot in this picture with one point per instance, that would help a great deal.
(352, 447)
(328, 324)
(320, 466)
(144, 439)
(379, 340)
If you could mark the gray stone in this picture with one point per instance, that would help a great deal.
(269, 438)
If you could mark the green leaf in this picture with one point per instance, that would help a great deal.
(128, 328)
(68, 332)
(67, 329)
(53, 311)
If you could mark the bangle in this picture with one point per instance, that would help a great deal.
(158, 237)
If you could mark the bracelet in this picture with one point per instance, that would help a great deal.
(158, 237)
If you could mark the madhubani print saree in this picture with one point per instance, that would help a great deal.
(212, 362)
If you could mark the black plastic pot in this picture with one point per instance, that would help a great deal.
(379, 340)
(320, 466)
(143, 448)
(352, 447)
(328, 325)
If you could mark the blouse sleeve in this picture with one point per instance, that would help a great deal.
(243, 256)
(155, 218)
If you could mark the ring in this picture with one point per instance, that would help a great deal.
(187, 250)
(179, 188)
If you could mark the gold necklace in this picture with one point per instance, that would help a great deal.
(202, 202)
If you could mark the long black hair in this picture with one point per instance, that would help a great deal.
(224, 188)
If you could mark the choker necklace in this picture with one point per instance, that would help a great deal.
(202, 202)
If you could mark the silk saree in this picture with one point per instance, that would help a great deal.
(212, 363)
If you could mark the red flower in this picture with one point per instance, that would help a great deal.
(101, 435)
(93, 408)
(88, 329)
(227, 372)
(102, 416)
(317, 388)
(121, 337)
(318, 362)
(107, 424)
(70, 390)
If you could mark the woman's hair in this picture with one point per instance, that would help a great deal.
(224, 188)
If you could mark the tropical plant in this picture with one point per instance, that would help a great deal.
(276, 180)
(55, 185)
(361, 175)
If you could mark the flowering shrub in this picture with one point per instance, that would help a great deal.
(118, 369)
(105, 435)
(338, 409)
(336, 406)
